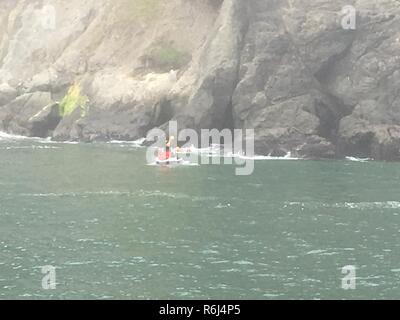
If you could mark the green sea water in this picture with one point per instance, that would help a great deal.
(116, 228)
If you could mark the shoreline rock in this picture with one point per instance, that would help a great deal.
(287, 70)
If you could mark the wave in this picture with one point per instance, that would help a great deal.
(256, 157)
(216, 150)
(288, 156)
(33, 147)
(49, 141)
(369, 205)
(7, 137)
(348, 205)
(138, 142)
(358, 159)
(13, 137)
(138, 193)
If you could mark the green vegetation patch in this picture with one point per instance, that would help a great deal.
(165, 56)
(72, 100)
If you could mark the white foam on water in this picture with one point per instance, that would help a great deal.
(78, 263)
(183, 163)
(28, 147)
(138, 142)
(348, 205)
(138, 193)
(243, 262)
(13, 137)
(216, 150)
(222, 206)
(67, 142)
(288, 156)
(368, 205)
(273, 295)
(212, 150)
(319, 251)
(358, 159)
(49, 141)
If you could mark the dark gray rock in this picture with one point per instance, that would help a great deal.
(120, 122)
(286, 69)
(213, 78)
(302, 75)
(43, 123)
(18, 116)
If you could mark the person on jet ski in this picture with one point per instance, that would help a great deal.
(168, 149)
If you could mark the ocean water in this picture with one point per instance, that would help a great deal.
(116, 228)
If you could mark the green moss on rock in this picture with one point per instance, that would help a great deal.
(72, 100)
(165, 56)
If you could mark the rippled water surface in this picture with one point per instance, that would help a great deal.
(116, 228)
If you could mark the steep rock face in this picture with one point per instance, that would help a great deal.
(285, 68)
(122, 55)
(202, 97)
(367, 80)
(303, 75)
(31, 114)
(278, 94)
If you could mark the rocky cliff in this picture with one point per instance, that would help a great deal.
(101, 69)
